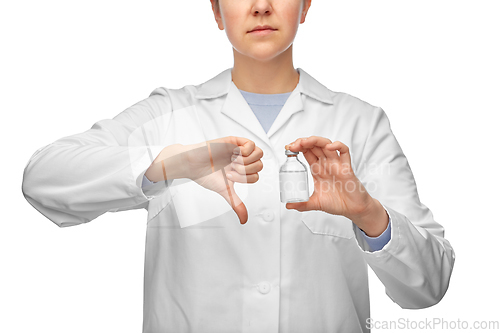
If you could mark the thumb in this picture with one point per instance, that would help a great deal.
(303, 206)
(300, 206)
(234, 200)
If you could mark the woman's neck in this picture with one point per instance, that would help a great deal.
(276, 76)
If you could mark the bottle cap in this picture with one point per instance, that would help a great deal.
(291, 153)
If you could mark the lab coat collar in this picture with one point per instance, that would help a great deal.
(221, 84)
(236, 107)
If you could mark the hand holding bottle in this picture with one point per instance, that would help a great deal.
(337, 190)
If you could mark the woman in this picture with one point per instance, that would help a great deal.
(295, 268)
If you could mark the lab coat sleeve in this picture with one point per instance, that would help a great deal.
(416, 264)
(80, 177)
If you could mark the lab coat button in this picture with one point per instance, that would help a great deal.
(268, 215)
(264, 287)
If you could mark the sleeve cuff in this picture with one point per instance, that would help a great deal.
(146, 181)
(377, 243)
(149, 190)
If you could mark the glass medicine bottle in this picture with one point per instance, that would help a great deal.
(293, 179)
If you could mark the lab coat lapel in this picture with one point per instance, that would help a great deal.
(292, 105)
(236, 107)
(307, 86)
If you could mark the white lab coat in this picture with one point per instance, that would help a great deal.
(283, 271)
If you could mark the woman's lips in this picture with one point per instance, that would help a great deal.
(263, 32)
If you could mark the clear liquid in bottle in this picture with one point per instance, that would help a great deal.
(293, 179)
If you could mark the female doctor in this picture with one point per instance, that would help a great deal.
(202, 158)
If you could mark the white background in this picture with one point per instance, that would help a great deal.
(433, 66)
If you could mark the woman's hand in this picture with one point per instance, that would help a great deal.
(336, 189)
(218, 164)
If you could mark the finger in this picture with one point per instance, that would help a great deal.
(248, 169)
(310, 157)
(318, 152)
(221, 154)
(245, 179)
(345, 156)
(254, 156)
(314, 144)
(311, 153)
(296, 145)
(234, 200)
(304, 146)
(291, 143)
(331, 154)
(246, 146)
(311, 142)
(316, 141)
